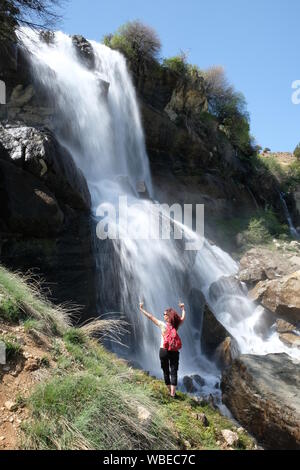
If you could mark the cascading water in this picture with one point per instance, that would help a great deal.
(103, 132)
(293, 231)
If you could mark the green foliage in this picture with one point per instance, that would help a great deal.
(256, 228)
(93, 402)
(137, 41)
(271, 164)
(229, 106)
(31, 324)
(96, 408)
(26, 294)
(75, 336)
(9, 309)
(297, 152)
(293, 176)
(257, 233)
(177, 64)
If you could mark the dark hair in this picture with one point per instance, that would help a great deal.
(174, 318)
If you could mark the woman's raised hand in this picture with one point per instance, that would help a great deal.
(141, 305)
(181, 305)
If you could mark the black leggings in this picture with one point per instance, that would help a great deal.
(169, 361)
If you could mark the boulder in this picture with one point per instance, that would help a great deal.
(10, 405)
(259, 264)
(216, 341)
(198, 379)
(203, 419)
(262, 393)
(289, 333)
(225, 285)
(280, 296)
(38, 152)
(226, 352)
(188, 384)
(230, 437)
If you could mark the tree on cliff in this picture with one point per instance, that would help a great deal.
(229, 106)
(32, 13)
(139, 42)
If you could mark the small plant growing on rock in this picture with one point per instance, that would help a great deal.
(75, 336)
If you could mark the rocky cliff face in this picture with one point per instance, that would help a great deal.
(192, 160)
(45, 214)
(262, 392)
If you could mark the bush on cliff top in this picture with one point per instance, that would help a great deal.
(138, 42)
(297, 151)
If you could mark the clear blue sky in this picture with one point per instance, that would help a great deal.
(257, 41)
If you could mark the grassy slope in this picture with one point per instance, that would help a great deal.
(92, 399)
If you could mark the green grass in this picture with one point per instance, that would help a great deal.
(75, 336)
(28, 302)
(9, 309)
(256, 228)
(92, 402)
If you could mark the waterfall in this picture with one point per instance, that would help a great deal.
(103, 132)
(293, 230)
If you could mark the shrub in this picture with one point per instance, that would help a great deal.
(293, 176)
(137, 41)
(263, 226)
(229, 106)
(75, 336)
(177, 64)
(26, 294)
(9, 309)
(297, 152)
(256, 232)
(31, 324)
(271, 164)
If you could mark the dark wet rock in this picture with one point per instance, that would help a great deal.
(226, 352)
(198, 379)
(224, 286)
(216, 342)
(262, 393)
(188, 384)
(45, 221)
(203, 419)
(84, 50)
(38, 152)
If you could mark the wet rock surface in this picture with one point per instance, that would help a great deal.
(45, 222)
(259, 264)
(216, 341)
(280, 296)
(262, 393)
